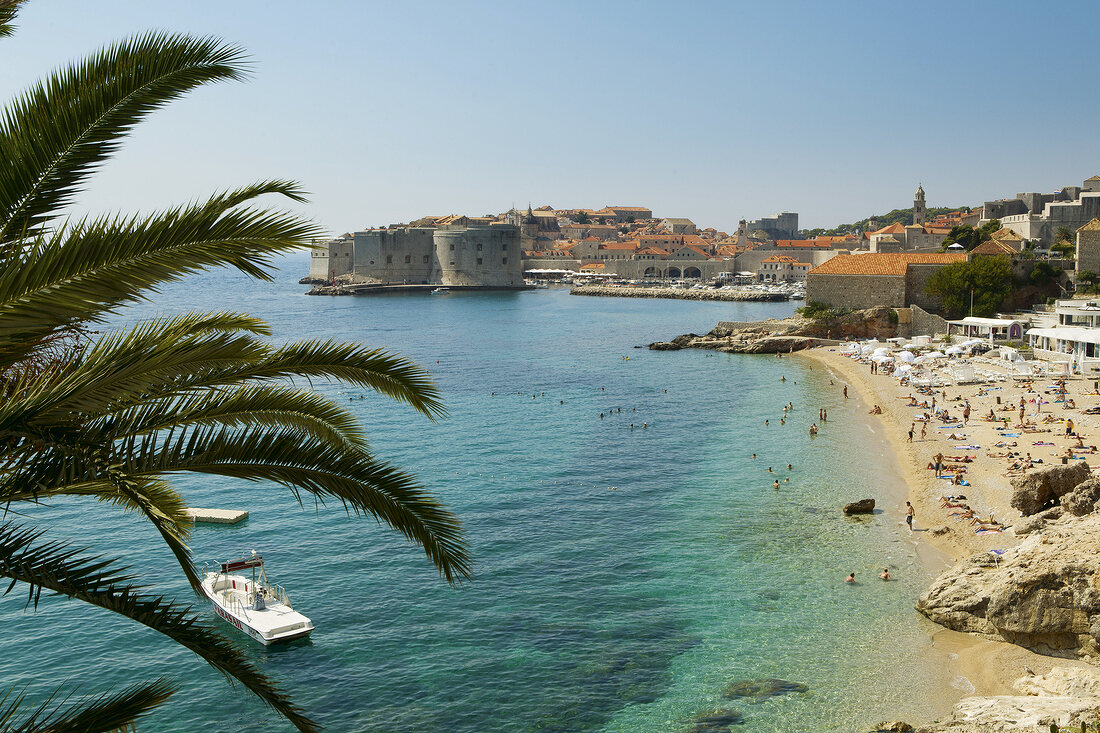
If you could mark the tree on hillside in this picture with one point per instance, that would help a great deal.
(110, 416)
(970, 237)
(583, 218)
(986, 280)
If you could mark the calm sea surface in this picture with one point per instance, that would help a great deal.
(624, 578)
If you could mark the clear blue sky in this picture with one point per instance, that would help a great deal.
(710, 110)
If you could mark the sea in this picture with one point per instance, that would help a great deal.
(634, 567)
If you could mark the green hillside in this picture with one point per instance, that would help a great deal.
(897, 216)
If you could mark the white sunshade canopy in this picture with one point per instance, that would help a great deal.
(906, 356)
(935, 355)
(882, 358)
(954, 351)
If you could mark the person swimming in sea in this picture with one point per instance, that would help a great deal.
(851, 578)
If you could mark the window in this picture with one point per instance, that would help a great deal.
(505, 247)
(425, 259)
(452, 262)
(452, 249)
(479, 260)
(408, 259)
(504, 261)
(389, 259)
(479, 248)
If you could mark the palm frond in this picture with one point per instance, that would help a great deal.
(85, 271)
(63, 128)
(62, 569)
(105, 712)
(8, 9)
(303, 463)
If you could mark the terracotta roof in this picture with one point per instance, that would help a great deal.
(804, 243)
(1006, 233)
(627, 208)
(781, 258)
(653, 251)
(1092, 226)
(1093, 178)
(884, 263)
(593, 266)
(892, 229)
(994, 247)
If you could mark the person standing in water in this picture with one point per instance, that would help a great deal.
(909, 514)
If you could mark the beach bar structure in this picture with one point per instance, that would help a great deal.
(990, 329)
(1079, 346)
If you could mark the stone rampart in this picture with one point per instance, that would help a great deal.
(856, 291)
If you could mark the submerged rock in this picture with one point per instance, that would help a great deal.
(863, 506)
(760, 690)
(892, 726)
(718, 721)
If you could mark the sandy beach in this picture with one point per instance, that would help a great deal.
(990, 667)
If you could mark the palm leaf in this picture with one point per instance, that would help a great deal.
(63, 128)
(86, 271)
(8, 9)
(62, 569)
(105, 712)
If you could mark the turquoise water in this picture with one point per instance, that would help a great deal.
(623, 577)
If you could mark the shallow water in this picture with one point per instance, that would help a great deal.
(623, 577)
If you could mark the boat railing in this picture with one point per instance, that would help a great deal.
(280, 594)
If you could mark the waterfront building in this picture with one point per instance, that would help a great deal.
(1087, 257)
(865, 280)
(454, 254)
(782, 268)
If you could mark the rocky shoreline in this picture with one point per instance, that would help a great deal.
(678, 293)
(787, 334)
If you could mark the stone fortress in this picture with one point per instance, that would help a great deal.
(455, 254)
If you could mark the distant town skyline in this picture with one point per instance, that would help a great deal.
(712, 111)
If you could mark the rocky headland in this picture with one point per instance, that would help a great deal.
(787, 334)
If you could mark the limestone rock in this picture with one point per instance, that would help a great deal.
(863, 506)
(1066, 696)
(1043, 594)
(1082, 499)
(1041, 489)
(1027, 525)
(892, 726)
(664, 346)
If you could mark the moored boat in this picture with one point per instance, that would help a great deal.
(254, 605)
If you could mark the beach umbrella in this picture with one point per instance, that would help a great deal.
(953, 351)
(935, 354)
(903, 369)
(906, 356)
(882, 358)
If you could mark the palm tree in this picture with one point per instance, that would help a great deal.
(109, 416)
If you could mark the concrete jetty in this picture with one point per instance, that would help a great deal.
(217, 516)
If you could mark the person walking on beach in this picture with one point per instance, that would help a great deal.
(923, 430)
(909, 514)
(966, 413)
(845, 391)
(911, 426)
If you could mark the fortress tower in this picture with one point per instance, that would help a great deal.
(919, 209)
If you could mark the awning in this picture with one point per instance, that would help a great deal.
(1068, 333)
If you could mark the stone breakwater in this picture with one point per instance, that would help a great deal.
(787, 334)
(678, 293)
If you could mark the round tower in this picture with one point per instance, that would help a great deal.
(919, 209)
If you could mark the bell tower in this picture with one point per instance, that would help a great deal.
(919, 209)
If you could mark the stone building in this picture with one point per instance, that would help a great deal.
(782, 268)
(920, 211)
(678, 226)
(453, 255)
(781, 226)
(895, 280)
(1088, 247)
(1039, 216)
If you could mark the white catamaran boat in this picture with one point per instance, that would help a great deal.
(255, 606)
